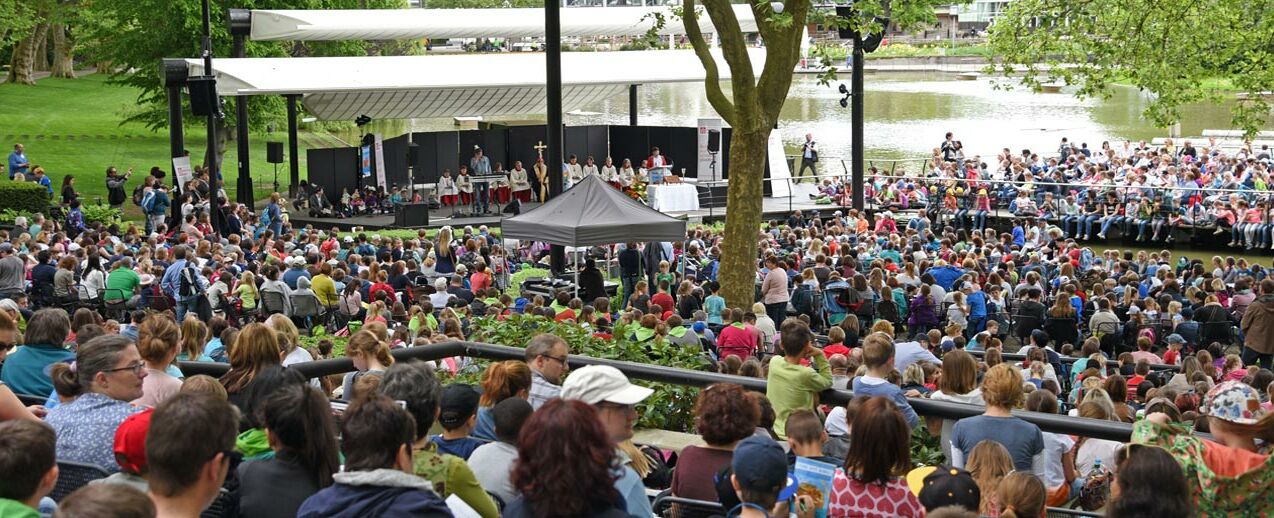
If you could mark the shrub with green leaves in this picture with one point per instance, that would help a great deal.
(104, 214)
(24, 197)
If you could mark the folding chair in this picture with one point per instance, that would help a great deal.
(74, 475)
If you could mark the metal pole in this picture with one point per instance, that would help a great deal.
(856, 127)
(294, 160)
(244, 189)
(553, 94)
(176, 78)
(214, 113)
(632, 105)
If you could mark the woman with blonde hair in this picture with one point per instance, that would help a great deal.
(255, 349)
(289, 339)
(1002, 391)
(501, 381)
(371, 356)
(989, 463)
(158, 339)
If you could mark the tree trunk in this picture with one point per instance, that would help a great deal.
(737, 273)
(21, 66)
(103, 67)
(63, 52)
(41, 62)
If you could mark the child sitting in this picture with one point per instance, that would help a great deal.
(458, 417)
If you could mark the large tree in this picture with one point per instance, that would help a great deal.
(1170, 48)
(753, 104)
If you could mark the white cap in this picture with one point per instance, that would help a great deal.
(597, 383)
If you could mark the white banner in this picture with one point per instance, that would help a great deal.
(709, 162)
(380, 162)
(185, 173)
(779, 168)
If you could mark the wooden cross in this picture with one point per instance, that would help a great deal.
(540, 147)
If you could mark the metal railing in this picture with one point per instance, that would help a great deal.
(1068, 360)
(1097, 429)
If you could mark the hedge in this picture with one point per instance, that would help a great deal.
(24, 197)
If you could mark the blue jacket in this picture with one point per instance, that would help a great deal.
(945, 276)
(23, 370)
(376, 493)
(891, 391)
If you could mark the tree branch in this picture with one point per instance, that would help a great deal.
(712, 76)
(781, 56)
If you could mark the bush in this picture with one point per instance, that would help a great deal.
(671, 407)
(104, 214)
(8, 216)
(25, 197)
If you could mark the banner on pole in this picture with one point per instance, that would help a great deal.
(380, 161)
(185, 173)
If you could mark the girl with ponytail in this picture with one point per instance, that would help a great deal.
(370, 355)
(1021, 495)
(158, 344)
(501, 381)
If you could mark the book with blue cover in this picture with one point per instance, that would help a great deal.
(815, 481)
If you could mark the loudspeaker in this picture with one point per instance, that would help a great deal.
(844, 12)
(413, 153)
(412, 215)
(274, 152)
(714, 141)
(203, 95)
(514, 207)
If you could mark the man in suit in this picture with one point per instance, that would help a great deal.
(809, 158)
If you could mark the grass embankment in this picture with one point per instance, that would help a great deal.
(907, 50)
(72, 126)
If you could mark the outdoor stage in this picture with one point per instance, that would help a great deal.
(777, 208)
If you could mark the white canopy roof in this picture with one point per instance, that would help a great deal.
(407, 24)
(395, 87)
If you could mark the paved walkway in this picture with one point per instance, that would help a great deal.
(41, 75)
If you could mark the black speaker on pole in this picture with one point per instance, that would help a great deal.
(274, 152)
(203, 95)
(714, 141)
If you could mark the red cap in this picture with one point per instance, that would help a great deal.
(130, 441)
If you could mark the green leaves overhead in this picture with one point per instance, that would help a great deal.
(1164, 47)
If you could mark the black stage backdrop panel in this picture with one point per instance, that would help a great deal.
(395, 150)
(468, 139)
(319, 168)
(631, 142)
(426, 165)
(681, 145)
(521, 145)
(496, 147)
(583, 141)
(345, 169)
(446, 145)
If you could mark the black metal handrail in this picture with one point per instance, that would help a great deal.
(1093, 428)
(1071, 359)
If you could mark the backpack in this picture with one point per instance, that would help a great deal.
(148, 203)
(138, 193)
(188, 282)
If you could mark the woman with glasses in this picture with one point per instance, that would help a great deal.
(107, 374)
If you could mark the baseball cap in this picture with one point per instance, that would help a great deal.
(348, 239)
(130, 441)
(597, 383)
(6, 247)
(759, 464)
(1175, 339)
(946, 486)
(459, 402)
(1235, 402)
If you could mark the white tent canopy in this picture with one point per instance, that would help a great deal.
(394, 87)
(407, 24)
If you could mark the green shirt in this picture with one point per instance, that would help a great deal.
(121, 283)
(450, 475)
(793, 387)
(16, 509)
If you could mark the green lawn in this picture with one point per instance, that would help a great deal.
(72, 126)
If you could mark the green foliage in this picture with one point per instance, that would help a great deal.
(104, 214)
(338, 343)
(670, 408)
(24, 197)
(8, 216)
(515, 281)
(1163, 48)
(926, 449)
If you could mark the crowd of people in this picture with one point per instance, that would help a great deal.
(93, 323)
